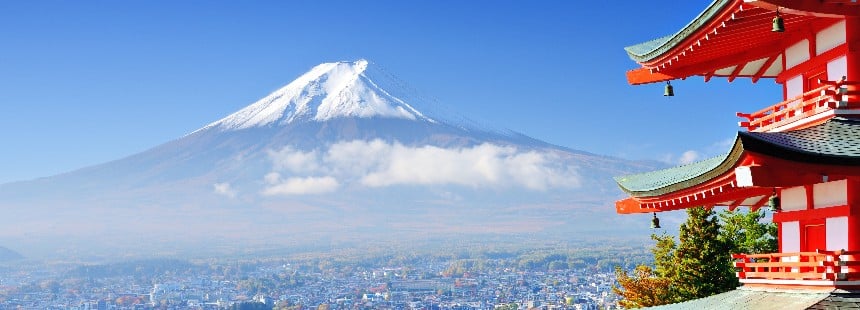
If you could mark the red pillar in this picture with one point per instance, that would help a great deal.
(852, 38)
(854, 218)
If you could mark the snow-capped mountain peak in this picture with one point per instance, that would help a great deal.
(328, 91)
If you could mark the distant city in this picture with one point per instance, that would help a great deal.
(543, 278)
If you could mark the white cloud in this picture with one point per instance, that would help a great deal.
(272, 178)
(378, 163)
(225, 189)
(302, 186)
(689, 157)
(480, 166)
(294, 160)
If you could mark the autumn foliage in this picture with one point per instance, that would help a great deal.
(642, 289)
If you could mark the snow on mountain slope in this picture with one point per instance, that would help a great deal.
(344, 154)
(328, 91)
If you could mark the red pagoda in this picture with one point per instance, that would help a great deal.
(800, 156)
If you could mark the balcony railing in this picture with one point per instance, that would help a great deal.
(801, 268)
(829, 96)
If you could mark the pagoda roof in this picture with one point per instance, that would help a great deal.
(835, 142)
(829, 148)
(649, 50)
(668, 180)
(733, 38)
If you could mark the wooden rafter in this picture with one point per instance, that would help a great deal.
(708, 76)
(735, 204)
(821, 8)
(644, 75)
(745, 30)
(766, 65)
(759, 203)
(737, 71)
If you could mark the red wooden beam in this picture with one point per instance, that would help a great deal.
(788, 216)
(737, 71)
(764, 67)
(645, 76)
(809, 7)
(816, 61)
(708, 76)
(772, 172)
(752, 36)
(734, 205)
(724, 15)
(759, 203)
(733, 46)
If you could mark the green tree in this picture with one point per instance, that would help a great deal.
(747, 233)
(699, 263)
(702, 258)
(664, 255)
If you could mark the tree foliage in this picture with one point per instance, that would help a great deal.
(747, 233)
(664, 255)
(699, 264)
(642, 289)
(703, 259)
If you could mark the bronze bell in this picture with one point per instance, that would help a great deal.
(773, 203)
(655, 222)
(778, 24)
(669, 91)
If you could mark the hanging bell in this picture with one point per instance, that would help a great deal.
(778, 24)
(669, 91)
(773, 203)
(655, 222)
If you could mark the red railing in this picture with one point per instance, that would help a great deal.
(800, 266)
(829, 96)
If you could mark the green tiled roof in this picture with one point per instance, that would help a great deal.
(653, 182)
(835, 142)
(743, 298)
(652, 49)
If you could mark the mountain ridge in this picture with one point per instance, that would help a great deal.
(327, 91)
(315, 170)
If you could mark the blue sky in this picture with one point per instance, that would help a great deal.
(82, 83)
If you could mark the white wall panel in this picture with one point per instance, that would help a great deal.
(830, 194)
(790, 237)
(794, 87)
(796, 54)
(837, 68)
(830, 37)
(793, 199)
(837, 233)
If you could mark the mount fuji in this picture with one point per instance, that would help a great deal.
(344, 154)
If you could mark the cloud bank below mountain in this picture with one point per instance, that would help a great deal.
(377, 163)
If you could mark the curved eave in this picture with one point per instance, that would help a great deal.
(730, 39)
(834, 142)
(650, 50)
(662, 182)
